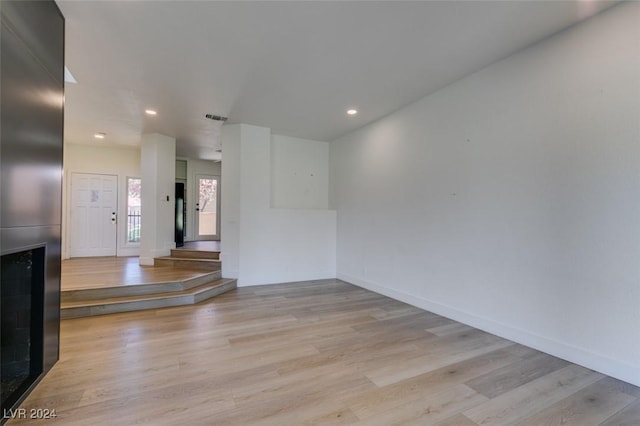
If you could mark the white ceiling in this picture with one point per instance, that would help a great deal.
(292, 66)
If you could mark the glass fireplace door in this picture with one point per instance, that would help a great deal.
(22, 322)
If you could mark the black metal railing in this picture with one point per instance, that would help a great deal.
(133, 225)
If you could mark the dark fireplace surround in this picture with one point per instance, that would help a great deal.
(31, 135)
(22, 323)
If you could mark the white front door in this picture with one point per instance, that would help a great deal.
(93, 221)
(207, 207)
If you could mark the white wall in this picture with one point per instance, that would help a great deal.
(510, 200)
(299, 173)
(231, 135)
(262, 245)
(120, 161)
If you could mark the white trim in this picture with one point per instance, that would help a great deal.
(603, 364)
(196, 223)
(146, 261)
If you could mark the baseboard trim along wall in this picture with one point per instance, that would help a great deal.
(147, 261)
(611, 367)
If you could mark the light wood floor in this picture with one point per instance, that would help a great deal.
(100, 272)
(313, 353)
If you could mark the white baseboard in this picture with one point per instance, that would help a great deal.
(611, 367)
(147, 261)
(320, 276)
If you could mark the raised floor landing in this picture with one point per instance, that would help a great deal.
(106, 285)
(100, 272)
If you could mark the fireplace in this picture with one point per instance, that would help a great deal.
(22, 326)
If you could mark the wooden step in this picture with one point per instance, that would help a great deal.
(191, 263)
(139, 289)
(85, 308)
(195, 254)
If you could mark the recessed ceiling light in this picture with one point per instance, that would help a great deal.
(151, 111)
(100, 135)
(352, 111)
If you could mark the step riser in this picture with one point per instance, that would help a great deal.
(79, 312)
(211, 265)
(141, 305)
(205, 295)
(105, 293)
(137, 290)
(195, 282)
(194, 254)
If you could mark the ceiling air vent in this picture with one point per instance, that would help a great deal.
(215, 117)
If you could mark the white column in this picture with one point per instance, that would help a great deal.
(230, 208)
(245, 194)
(158, 172)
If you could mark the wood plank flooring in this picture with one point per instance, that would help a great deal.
(101, 272)
(313, 353)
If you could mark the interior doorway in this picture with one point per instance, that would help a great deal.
(93, 219)
(207, 207)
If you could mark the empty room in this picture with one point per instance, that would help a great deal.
(320, 212)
